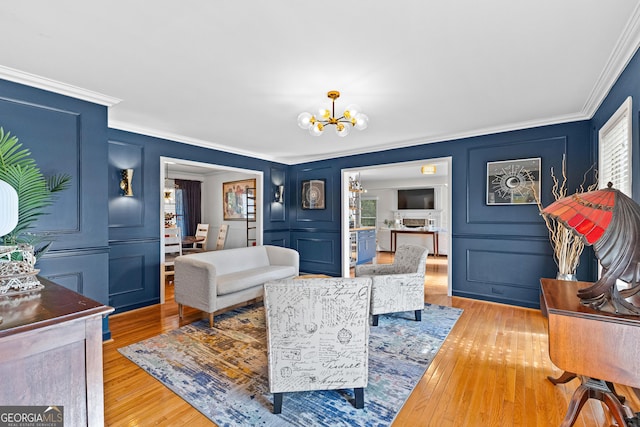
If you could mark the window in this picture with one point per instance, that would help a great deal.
(179, 194)
(614, 150)
(614, 156)
(368, 213)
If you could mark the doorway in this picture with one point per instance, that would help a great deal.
(212, 176)
(383, 182)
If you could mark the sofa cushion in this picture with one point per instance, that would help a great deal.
(240, 280)
(234, 260)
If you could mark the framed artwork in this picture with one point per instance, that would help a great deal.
(513, 182)
(235, 200)
(313, 194)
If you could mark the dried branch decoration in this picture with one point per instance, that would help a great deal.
(567, 246)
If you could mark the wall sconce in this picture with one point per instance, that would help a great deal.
(125, 184)
(279, 194)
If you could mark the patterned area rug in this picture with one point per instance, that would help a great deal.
(222, 371)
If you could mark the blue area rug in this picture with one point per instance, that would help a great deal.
(222, 372)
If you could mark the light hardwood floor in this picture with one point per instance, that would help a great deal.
(491, 370)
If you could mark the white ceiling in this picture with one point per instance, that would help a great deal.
(234, 75)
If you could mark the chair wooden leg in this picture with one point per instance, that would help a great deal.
(180, 314)
(277, 403)
(562, 379)
(418, 315)
(375, 320)
(359, 394)
(211, 320)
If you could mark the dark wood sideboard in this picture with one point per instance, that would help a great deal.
(600, 348)
(433, 233)
(51, 352)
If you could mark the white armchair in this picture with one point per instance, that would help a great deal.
(399, 286)
(317, 335)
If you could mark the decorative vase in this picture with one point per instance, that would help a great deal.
(566, 276)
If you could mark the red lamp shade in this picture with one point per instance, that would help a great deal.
(589, 214)
(610, 221)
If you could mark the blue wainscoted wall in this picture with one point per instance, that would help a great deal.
(315, 233)
(499, 253)
(134, 222)
(67, 135)
(278, 233)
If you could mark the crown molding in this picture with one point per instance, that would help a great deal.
(623, 51)
(567, 118)
(128, 127)
(50, 85)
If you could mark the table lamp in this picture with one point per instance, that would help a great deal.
(8, 208)
(610, 221)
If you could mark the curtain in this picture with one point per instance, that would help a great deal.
(191, 205)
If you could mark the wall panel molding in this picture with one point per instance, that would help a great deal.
(71, 280)
(550, 150)
(132, 264)
(502, 270)
(85, 272)
(328, 214)
(319, 252)
(60, 129)
(134, 275)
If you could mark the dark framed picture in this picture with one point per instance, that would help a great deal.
(234, 198)
(513, 182)
(313, 194)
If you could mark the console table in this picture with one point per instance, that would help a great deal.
(434, 236)
(51, 352)
(601, 348)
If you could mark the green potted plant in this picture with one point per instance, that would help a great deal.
(35, 193)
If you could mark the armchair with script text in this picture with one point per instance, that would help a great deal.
(317, 335)
(399, 286)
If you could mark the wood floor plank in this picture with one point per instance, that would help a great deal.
(491, 370)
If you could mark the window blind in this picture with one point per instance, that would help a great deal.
(614, 147)
(614, 160)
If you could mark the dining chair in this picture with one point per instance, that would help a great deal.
(202, 231)
(222, 236)
(172, 249)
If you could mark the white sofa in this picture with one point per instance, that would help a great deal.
(210, 281)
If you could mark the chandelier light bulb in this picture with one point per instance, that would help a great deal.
(317, 129)
(351, 111)
(324, 113)
(343, 129)
(352, 117)
(304, 120)
(362, 121)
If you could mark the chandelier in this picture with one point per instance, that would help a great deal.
(351, 117)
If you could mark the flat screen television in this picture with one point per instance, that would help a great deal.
(416, 198)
